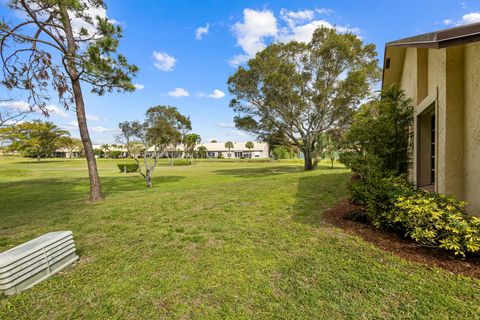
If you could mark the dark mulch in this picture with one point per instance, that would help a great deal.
(345, 215)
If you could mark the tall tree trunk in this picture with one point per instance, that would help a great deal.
(309, 164)
(95, 186)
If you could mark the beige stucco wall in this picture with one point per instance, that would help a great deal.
(450, 79)
(472, 127)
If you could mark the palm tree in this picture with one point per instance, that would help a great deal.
(249, 145)
(202, 151)
(229, 145)
(105, 148)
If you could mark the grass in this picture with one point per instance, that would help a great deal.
(215, 240)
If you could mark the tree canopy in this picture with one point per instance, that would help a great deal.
(302, 89)
(163, 127)
(57, 46)
(36, 138)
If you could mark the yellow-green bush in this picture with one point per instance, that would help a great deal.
(430, 219)
(436, 220)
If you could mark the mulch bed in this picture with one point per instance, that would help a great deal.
(405, 248)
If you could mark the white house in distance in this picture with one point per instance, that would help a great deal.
(259, 151)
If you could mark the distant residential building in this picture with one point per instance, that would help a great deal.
(67, 153)
(259, 151)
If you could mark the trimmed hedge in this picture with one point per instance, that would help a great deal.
(128, 167)
(182, 162)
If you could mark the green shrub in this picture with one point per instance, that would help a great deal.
(98, 152)
(377, 148)
(115, 154)
(220, 156)
(128, 167)
(381, 131)
(181, 162)
(428, 218)
(281, 152)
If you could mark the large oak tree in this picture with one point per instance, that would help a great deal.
(57, 46)
(303, 89)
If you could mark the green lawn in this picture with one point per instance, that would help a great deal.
(221, 240)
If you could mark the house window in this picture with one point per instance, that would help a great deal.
(238, 154)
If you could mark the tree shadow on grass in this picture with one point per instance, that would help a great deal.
(132, 182)
(41, 194)
(317, 193)
(259, 172)
(34, 161)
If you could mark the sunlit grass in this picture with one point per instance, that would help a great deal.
(218, 239)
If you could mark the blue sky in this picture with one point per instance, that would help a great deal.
(186, 50)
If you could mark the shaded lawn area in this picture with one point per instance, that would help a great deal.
(218, 240)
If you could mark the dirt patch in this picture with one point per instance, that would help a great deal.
(341, 216)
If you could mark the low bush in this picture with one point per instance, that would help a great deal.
(115, 154)
(430, 219)
(281, 152)
(436, 220)
(182, 162)
(128, 167)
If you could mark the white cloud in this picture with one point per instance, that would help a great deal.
(25, 107)
(294, 17)
(164, 61)
(91, 11)
(251, 33)
(138, 86)
(15, 104)
(71, 125)
(79, 23)
(92, 117)
(100, 129)
(216, 94)
(303, 33)
(259, 27)
(178, 92)
(238, 59)
(469, 18)
(57, 111)
(202, 31)
(324, 11)
(472, 17)
(225, 125)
